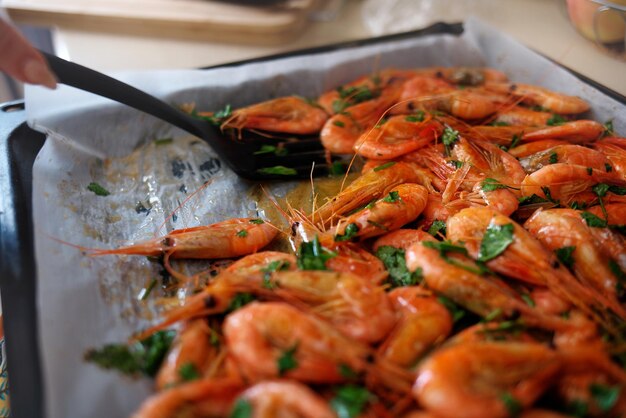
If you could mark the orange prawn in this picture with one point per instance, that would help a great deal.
(539, 96)
(530, 148)
(523, 116)
(568, 154)
(575, 132)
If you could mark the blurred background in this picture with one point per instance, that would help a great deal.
(584, 35)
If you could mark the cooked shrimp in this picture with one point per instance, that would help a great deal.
(226, 239)
(341, 131)
(402, 238)
(397, 136)
(470, 104)
(420, 92)
(191, 348)
(423, 323)
(286, 114)
(611, 241)
(499, 135)
(562, 228)
(166, 404)
(519, 115)
(371, 185)
(283, 398)
(530, 148)
(259, 262)
(539, 96)
(575, 132)
(563, 181)
(403, 204)
(475, 380)
(568, 154)
(351, 258)
(615, 152)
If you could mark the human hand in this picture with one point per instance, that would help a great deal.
(19, 59)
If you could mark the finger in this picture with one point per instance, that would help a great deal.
(20, 60)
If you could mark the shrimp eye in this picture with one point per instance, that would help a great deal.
(209, 302)
(370, 358)
(294, 227)
(168, 242)
(513, 87)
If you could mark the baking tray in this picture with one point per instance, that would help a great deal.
(19, 146)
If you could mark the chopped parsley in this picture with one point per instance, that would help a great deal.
(554, 158)
(257, 221)
(493, 315)
(312, 256)
(188, 372)
(337, 168)
(449, 137)
(496, 239)
(287, 361)
(512, 405)
(605, 396)
(556, 120)
(529, 301)
(278, 170)
(339, 123)
(242, 234)
(272, 149)
(144, 357)
(350, 400)
(217, 117)
(437, 227)
(455, 310)
(490, 184)
(98, 189)
(608, 167)
(384, 166)
(242, 409)
(609, 130)
(146, 292)
(566, 255)
(531, 200)
(381, 122)
(348, 233)
(276, 265)
(515, 140)
(593, 221)
(456, 163)
(392, 197)
(239, 301)
(445, 247)
(417, 117)
(394, 261)
(347, 372)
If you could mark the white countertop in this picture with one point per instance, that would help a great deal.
(539, 24)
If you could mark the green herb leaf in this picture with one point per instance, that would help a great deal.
(605, 396)
(188, 372)
(257, 221)
(608, 167)
(339, 106)
(556, 120)
(617, 271)
(337, 168)
(312, 256)
(217, 117)
(381, 122)
(496, 239)
(242, 234)
(512, 405)
(577, 408)
(163, 141)
(499, 123)
(392, 197)
(515, 140)
(240, 300)
(287, 361)
(144, 357)
(608, 129)
(449, 137)
(417, 117)
(566, 255)
(146, 292)
(384, 166)
(394, 260)
(445, 247)
(589, 171)
(214, 339)
(554, 158)
(529, 301)
(456, 163)
(347, 372)
(349, 233)
(490, 184)
(493, 315)
(350, 400)
(619, 190)
(271, 149)
(437, 227)
(97, 189)
(531, 200)
(593, 221)
(278, 170)
(546, 190)
(455, 310)
(339, 123)
(242, 409)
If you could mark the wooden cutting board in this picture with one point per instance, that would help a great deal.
(200, 19)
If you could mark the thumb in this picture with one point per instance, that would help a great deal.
(19, 59)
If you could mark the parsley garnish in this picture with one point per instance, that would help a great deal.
(240, 300)
(217, 117)
(188, 372)
(287, 361)
(512, 405)
(392, 197)
(608, 167)
(97, 189)
(566, 255)
(257, 221)
(242, 234)
(556, 120)
(417, 117)
(546, 190)
(445, 247)
(346, 371)
(554, 158)
(515, 140)
(530, 200)
(312, 256)
(455, 310)
(349, 233)
(242, 409)
(605, 396)
(593, 221)
(449, 137)
(577, 408)
(144, 357)
(350, 400)
(529, 301)
(496, 239)
(339, 123)
(456, 163)
(386, 165)
(608, 129)
(337, 168)
(272, 149)
(394, 260)
(278, 170)
(276, 265)
(437, 227)
(146, 292)
(490, 184)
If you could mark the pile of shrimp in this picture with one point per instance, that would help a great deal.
(475, 268)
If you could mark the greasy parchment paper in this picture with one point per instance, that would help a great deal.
(85, 302)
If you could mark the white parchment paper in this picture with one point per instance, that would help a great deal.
(86, 302)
